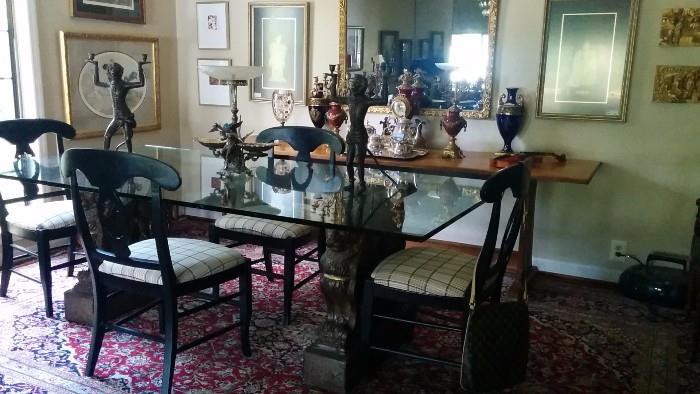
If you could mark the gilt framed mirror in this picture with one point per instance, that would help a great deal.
(452, 47)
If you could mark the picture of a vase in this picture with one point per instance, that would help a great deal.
(509, 117)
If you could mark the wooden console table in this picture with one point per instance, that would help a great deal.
(478, 165)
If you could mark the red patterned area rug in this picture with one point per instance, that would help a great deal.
(583, 340)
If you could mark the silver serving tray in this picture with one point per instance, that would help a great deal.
(387, 154)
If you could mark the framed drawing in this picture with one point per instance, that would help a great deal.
(356, 48)
(586, 62)
(406, 49)
(278, 44)
(437, 41)
(88, 107)
(425, 48)
(389, 45)
(212, 25)
(677, 84)
(680, 27)
(112, 10)
(210, 92)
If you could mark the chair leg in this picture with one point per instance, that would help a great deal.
(7, 262)
(366, 315)
(214, 237)
(289, 260)
(246, 308)
(98, 331)
(71, 253)
(267, 254)
(43, 250)
(170, 337)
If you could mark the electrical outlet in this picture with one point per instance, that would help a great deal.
(615, 248)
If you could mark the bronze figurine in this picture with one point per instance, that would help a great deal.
(357, 137)
(122, 117)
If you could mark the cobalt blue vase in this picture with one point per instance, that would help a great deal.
(509, 117)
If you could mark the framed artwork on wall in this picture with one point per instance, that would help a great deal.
(112, 10)
(212, 25)
(88, 107)
(389, 45)
(406, 49)
(586, 60)
(425, 48)
(278, 44)
(210, 92)
(437, 41)
(677, 84)
(356, 48)
(680, 27)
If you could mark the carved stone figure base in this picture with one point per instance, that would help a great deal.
(332, 362)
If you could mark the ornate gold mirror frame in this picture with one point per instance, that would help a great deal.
(485, 113)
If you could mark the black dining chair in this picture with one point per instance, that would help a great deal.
(276, 236)
(30, 217)
(161, 267)
(441, 278)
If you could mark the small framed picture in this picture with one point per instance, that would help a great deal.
(278, 44)
(212, 25)
(130, 11)
(210, 92)
(437, 41)
(389, 45)
(425, 47)
(680, 27)
(356, 48)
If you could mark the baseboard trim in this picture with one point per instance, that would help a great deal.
(576, 270)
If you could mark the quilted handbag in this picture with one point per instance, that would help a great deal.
(496, 344)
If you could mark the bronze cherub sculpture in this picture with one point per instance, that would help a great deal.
(122, 117)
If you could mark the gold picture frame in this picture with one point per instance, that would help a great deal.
(88, 108)
(576, 34)
(677, 84)
(680, 27)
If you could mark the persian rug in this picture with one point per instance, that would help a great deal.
(584, 339)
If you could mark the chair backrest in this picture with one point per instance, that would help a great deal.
(489, 271)
(108, 171)
(22, 132)
(304, 140)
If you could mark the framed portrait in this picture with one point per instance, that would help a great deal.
(278, 44)
(680, 27)
(212, 25)
(210, 92)
(406, 49)
(586, 60)
(389, 45)
(677, 84)
(437, 41)
(88, 107)
(425, 48)
(356, 48)
(112, 10)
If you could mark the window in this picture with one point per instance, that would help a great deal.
(9, 90)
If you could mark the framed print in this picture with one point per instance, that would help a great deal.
(680, 27)
(278, 44)
(356, 48)
(586, 62)
(88, 107)
(212, 25)
(677, 84)
(437, 41)
(425, 47)
(112, 10)
(406, 49)
(389, 45)
(210, 92)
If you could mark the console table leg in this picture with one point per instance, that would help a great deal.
(331, 362)
(527, 231)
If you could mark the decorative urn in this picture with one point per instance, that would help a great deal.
(453, 123)
(282, 105)
(318, 104)
(509, 117)
(336, 116)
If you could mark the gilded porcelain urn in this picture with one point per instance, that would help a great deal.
(453, 123)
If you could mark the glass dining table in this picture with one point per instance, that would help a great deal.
(362, 227)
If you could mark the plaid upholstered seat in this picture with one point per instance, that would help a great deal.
(42, 216)
(192, 259)
(426, 271)
(265, 227)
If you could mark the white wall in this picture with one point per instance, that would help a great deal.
(643, 194)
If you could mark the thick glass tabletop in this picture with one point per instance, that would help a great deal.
(416, 206)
